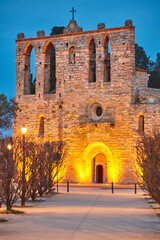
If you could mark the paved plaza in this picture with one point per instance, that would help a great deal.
(85, 214)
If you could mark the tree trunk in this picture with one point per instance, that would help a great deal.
(33, 196)
(9, 207)
(23, 202)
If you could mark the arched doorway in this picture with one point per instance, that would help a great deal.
(100, 168)
(99, 174)
(97, 153)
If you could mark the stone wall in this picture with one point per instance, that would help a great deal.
(70, 112)
(148, 95)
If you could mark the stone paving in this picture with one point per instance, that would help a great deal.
(85, 214)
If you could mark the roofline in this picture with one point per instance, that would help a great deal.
(105, 30)
(140, 70)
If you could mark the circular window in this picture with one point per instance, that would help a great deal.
(96, 111)
(99, 111)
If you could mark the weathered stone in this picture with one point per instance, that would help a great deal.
(20, 35)
(72, 27)
(40, 33)
(101, 26)
(128, 22)
(70, 111)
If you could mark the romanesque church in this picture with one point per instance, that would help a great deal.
(89, 95)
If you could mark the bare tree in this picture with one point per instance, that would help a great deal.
(26, 174)
(42, 184)
(23, 168)
(44, 165)
(148, 164)
(9, 188)
(55, 159)
(51, 165)
(59, 158)
(32, 165)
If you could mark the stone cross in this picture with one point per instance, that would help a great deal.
(73, 11)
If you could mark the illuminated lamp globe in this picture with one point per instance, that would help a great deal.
(24, 130)
(9, 147)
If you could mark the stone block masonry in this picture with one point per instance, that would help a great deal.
(96, 104)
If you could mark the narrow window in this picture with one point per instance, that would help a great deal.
(50, 69)
(41, 127)
(72, 55)
(92, 61)
(29, 70)
(107, 65)
(32, 73)
(141, 124)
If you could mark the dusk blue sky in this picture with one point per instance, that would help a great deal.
(32, 15)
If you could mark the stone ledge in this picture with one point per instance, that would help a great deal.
(96, 122)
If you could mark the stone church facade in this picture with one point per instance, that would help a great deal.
(94, 99)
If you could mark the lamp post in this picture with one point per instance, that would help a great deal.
(9, 147)
(23, 169)
(57, 176)
(9, 175)
(58, 157)
(8, 158)
(57, 161)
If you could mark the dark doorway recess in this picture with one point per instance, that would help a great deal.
(99, 174)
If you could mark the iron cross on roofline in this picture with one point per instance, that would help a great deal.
(73, 11)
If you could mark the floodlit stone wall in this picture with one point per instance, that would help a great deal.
(91, 117)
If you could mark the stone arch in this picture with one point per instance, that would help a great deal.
(87, 161)
(49, 68)
(72, 55)
(48, 46)
(29, 82)
(90, 40)
(92, 60)
(28, 49)
(106, 60)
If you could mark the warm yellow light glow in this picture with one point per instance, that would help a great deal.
(9, 147)
(90, 152)
(27, 168)
(139, 171)
(24, 130)
(82, 175)
(28, 172)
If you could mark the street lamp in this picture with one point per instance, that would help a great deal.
(57, 161)
(9, 147)
(24, 130)
(58, 158)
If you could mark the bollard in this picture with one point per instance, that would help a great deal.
(67, 186)
(112, 188)
(135, 188)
